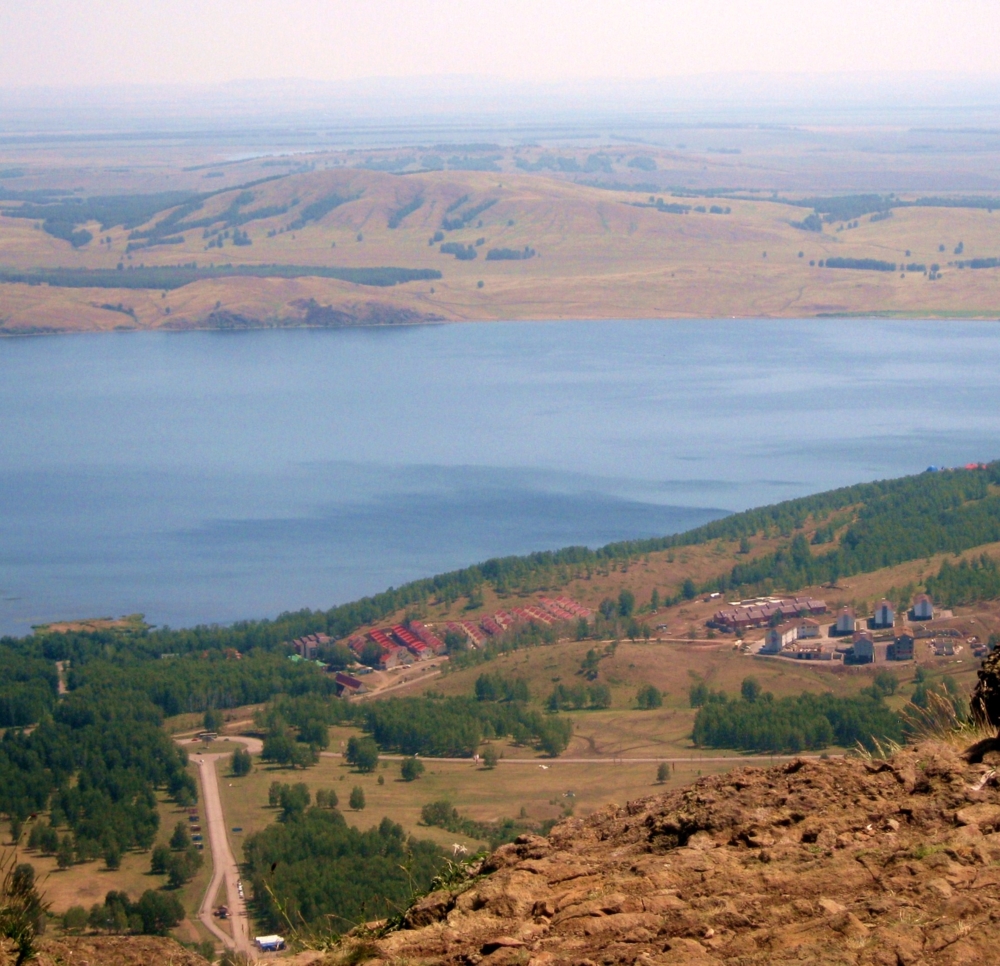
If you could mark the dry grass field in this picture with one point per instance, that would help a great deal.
(598, 254)
(88, 882)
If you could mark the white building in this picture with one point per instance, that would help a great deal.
(885, 615)
(923, 608)
(845, 621)
(785, 635)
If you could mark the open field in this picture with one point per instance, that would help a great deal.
(477, 793)
(600, 254)
(85, 883)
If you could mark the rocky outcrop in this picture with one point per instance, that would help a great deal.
(840, 861)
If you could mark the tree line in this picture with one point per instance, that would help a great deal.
(808, 722)
(169, 277)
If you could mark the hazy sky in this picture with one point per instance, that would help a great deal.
(87, 42)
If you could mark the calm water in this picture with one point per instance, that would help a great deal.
(210, 476)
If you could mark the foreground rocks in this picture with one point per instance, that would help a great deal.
(109, 951)
(841, 861)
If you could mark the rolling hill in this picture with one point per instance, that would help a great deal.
(517, 244)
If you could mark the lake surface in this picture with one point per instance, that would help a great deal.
(200, 477)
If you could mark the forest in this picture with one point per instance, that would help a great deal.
(313, 868)
(867, 264)
(901, 520)
(97, 762)
(172, 277)
(808, 722)
(59, 214)
(966, 582)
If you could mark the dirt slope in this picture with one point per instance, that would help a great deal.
(111, 951)
(830, 862)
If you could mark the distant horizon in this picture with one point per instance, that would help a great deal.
(69, 43)
(471, 101)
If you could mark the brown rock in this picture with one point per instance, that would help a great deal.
(985, 816)
(679, 879)
(431, 908)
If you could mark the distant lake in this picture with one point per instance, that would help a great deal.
(203, 477)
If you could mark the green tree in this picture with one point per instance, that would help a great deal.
(64, 855)
(274, 794)
(241, 762)
(750, 689)
(490, 757)
(326, 798)
(649, 697)
(362, 753)
(75, 919)
(159, 860)
(357, 799)
(600, 696)
(294, 800)
(698, 694)
(213, 720)
(181, 838)
(112, 856)
(688, 589)
(315, 733)
(886, 682)
(662, 772)
(455, 643)
(626, 603)
(159, 912)
(411, 769)
(654, 600)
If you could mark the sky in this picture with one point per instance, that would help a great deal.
(82, 43)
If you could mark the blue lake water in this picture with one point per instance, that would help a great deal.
(211, 476)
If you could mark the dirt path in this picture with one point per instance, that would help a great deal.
(608, 759)
(224, 865)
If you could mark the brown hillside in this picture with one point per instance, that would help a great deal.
(598, 256)
(843, 861)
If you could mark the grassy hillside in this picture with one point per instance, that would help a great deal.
(598, 253)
